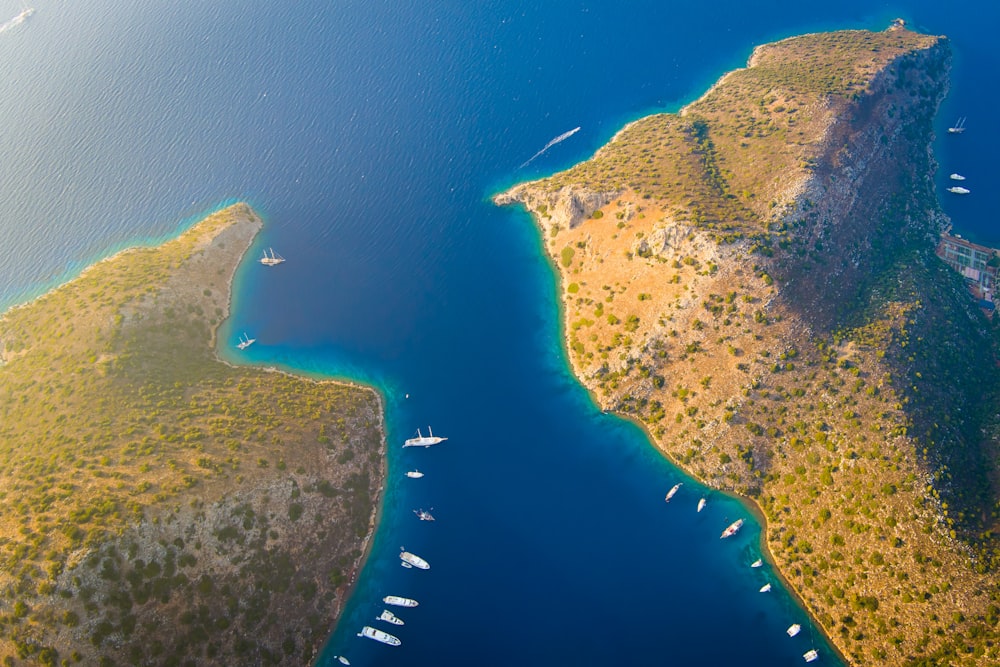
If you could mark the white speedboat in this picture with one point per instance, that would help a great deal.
(414, 474)
(245, 342)
(414, 560)
(701, 504)
(811, 655)
(424, 440)
(379, 636)
(959, 190)
(405, 564)
(673, 491)
(424, 515)
(399, 602)
(732, 529)
(271, 260)
(757, 563)
(794, 629)
(957, 177)
(766, 588)
(390, 617)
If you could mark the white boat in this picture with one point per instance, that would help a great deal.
(271, 260)
(957, 177)
(424, 441)
(766, 588)
(390, 617)
(959, 127)
(343, 660)
(672, 491)
(414, 560)
(732, 529)
(793, 629)
(958, 190)
(399, 602)
(245, 342)
(757, 563)
(414, 474)
(17, 20)
(811, 655)
(424, 515)
(379, 636)
(405, 564)
(701, 504)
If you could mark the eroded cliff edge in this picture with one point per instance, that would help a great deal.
(160, 506)
(754, 280)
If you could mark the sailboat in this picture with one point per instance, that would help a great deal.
(672, 491)
(424, 440)
(959, 127)
(245, 341)
(701, 504)
(271, 260)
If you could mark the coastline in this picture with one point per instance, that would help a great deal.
(755, 468)
(144, 292)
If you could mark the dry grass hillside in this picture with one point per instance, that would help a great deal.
(158, 505)
(753, 279)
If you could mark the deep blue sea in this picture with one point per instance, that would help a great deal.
(370, 135)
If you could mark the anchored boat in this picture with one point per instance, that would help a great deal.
(793, 629)
(673, 491)
(810, 656)
(414, 474)
(414, 560)
(424, 441)
(959, 190)
(733, 528)
(271, 260)
(245, 341)
(399, 602)
(379, 636)
(390, 617)
(701, 504)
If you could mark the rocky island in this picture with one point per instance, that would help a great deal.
(160, 506)
(753, 279)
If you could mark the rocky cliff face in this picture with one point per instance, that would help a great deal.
(752, 280)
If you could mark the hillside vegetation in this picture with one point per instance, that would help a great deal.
(160, 506)
(753, 279)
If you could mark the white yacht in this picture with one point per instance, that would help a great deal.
(390, 617)
(766, 588)
(958, 190)
(672, 491)
(957, 177)
(379, 636)
(245, 341)
(424, 515)
(957, 128)
(271, 260)
(399, 602)
(793, 629)
(701, 504)
(414, 474)
(732, 529)
(414, 560)
(811, 655)
(424, 441)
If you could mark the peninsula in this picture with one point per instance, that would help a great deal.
(753, 279)
(160, 506)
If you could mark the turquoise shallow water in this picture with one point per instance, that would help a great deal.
(370, 136)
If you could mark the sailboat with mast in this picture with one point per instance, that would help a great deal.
(424, 440)
(271, 260)
(245, 341)
(958, 127)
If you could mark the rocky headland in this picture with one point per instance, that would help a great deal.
(753, 279)
(160, 506)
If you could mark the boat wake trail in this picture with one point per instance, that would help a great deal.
(16, 21)
(562, 137)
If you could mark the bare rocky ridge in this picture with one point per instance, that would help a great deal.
(753, 280)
